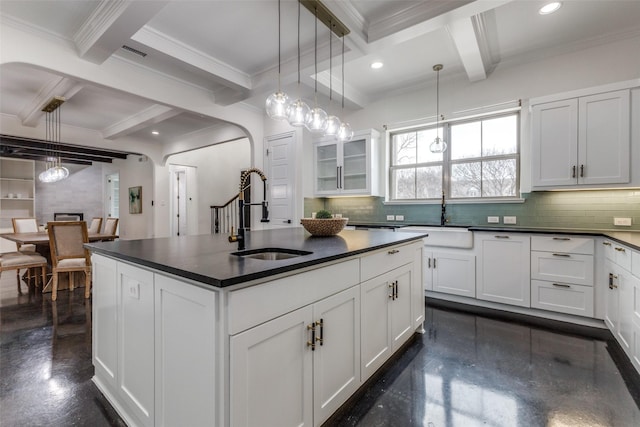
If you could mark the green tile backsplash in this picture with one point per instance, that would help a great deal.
(594, 209)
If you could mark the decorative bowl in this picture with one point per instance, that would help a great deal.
(324, 226)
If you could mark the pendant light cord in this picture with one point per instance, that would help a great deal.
(343, 71)
(279, 40)
(330, 64)
(298, 48)
(315, 60)
(437, 103)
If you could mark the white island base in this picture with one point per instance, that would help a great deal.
(287, 351)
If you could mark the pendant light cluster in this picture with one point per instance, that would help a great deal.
(54, 171)
(298, 113)
(438, 145)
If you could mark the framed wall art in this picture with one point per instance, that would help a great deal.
(135, 200)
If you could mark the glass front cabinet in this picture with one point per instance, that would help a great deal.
(348, 168)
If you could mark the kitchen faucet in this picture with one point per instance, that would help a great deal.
(240, 237)
(443, 217)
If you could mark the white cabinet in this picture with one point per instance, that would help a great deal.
(450, 272)
(620, 296)
(348, 168)
(301, 366)
(17, 195)
(503, 270)
(581, 141)
(386, 316)
(562, 272)
(144, 329)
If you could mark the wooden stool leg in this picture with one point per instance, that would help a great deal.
(87, 283)
(54, 290)
(44, 276)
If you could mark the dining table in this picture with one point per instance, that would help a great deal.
(41, 240)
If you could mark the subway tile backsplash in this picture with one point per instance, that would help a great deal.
(592, 210)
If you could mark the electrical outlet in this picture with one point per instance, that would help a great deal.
(626, 222)
(134, 290)
(399, 217)
(509, 219)
(493, 219)
(391, 217)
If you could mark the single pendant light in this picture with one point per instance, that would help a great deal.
(345, 133)
(316, 120)
(278, 102)
(333, 122)
(298, 109)
(438, 145)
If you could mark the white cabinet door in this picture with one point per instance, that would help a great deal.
(386, 316)
(453, 273)
(336, 358)
(136, 341)
(105, 319)
(355, 169)
(271, 373)
(326, 168)
(504, 269)
(625, 306)
(604, 138)
(611, 296)
(554, 143)
(184, 315)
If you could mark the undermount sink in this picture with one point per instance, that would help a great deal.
(271, 254)
(449, 237)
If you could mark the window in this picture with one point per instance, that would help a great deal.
(482, 160)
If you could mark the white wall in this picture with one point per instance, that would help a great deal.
(218, 169)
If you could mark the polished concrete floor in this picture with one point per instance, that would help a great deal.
(467, 370)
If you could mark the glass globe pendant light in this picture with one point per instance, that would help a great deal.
(298, 109)
(54, 170)
(345, 133)
(316, 120)
(333, 122)
(278, 102)
(438, 145)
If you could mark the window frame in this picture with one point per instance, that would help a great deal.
(447, 162)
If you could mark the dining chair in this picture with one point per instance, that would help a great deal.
(96, 225)
(110, 227)
(68, 255)
(21, 260)
(25, 225)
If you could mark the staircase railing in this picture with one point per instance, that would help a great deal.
(224, 217)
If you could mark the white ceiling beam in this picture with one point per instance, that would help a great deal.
(463, 34)
(221, 72)
(111, 25)
(32, 112)
(148, 116)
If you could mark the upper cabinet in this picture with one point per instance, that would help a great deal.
(348, 168)
(582, 141)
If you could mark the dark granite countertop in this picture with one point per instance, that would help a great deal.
(208, 258)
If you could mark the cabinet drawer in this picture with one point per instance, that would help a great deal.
(622, 255)
(257, 304)
(565, 244)
(562, 297)
(386, 260)
(562, 267)
(635, 263)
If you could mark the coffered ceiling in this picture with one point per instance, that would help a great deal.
(230, 49)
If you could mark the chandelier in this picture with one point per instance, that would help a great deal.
(54, 171)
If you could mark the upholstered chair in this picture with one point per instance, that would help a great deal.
(68, 255)
(25, 225)
(95, 226)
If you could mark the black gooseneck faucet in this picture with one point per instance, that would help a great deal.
(240, 237)
(443, 213)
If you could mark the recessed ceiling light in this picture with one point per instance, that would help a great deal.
(376, 65)
(549, 8)
(155, 132)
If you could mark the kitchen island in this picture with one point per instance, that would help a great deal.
(186, 331)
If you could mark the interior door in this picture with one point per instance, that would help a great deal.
(280, 178)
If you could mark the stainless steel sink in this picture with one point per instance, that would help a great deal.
(271, 254)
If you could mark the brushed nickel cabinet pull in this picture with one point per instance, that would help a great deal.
(393, 251)
(501, 237)
(561, 238)
(392, 295)
(562, 255)
(561, 285)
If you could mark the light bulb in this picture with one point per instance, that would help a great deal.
(316, 120)
(345, 133)
(438, 145)
(333, 126)
(276, 105)
(297, 113)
